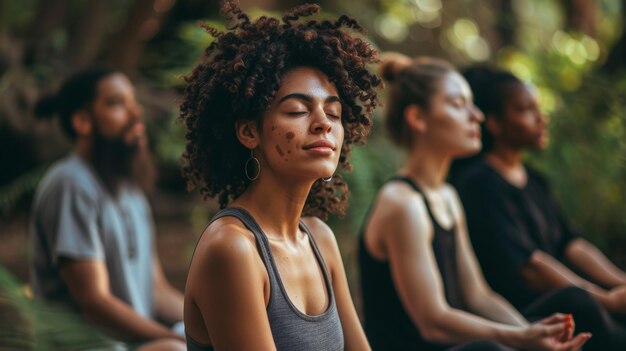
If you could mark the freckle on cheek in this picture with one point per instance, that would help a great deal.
(279, 150)
(290, 135)
(273, 127)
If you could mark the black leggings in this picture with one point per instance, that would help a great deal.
(589, 316)
(483, 345)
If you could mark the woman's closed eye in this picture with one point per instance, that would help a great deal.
(297, 113)
(458, 102)
(333, 114)
(113, 101)
(525, 108)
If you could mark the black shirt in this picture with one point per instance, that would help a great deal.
(507, 224)
(387, 325)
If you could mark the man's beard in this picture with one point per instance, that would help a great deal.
(117, 161)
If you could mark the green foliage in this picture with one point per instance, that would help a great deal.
(30, 325)
(22, 186)
(372, 165)
(176, 55)
(171, 140)
(16, 14)
(586, 159)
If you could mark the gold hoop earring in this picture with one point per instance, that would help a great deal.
(258, 166)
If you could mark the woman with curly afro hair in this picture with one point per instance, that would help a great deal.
(271, 110)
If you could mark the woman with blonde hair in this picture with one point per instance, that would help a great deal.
(422, 286)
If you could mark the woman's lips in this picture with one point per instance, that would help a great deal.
(475, 134)
(321, 147)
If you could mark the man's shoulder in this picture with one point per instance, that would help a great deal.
(70, 175)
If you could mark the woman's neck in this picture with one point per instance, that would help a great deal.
(276, 204)
(506, 156)
(507, 161)
(428, 168)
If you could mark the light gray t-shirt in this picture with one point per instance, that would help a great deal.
(75, 217)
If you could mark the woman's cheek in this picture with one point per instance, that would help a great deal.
(284, 143)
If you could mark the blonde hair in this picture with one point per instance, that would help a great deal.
(411, 82)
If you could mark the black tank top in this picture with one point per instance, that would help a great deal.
(387, 324)
(291, 329)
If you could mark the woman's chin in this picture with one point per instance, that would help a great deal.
(471, 150)
(540, 144)
(313, 174)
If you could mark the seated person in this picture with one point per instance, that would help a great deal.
(93, 248)
(422, 286)
(272, 111)
(521, 239)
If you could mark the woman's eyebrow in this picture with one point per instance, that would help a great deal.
(307, 98)
(332, 98)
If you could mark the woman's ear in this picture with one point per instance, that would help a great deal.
(415, 118)
(82, 123)
(247, 133)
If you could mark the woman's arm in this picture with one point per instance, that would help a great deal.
(352, 330)
(543, 272)
(227, 281)
(585, 257)
(402, 216)
(479, 297)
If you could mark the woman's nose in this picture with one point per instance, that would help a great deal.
(321, 123)
(541, 117)
(476, 114)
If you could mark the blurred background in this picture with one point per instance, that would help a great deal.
(574, 51)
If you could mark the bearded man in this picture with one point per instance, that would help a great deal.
(93, 248)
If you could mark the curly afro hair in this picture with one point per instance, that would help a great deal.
(237, 78)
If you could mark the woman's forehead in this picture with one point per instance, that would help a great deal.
(453, 84)
(306, 80)
(523, 91)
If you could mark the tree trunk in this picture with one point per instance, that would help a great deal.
(86, 37)
(501, 31)
(50, 16)
(128, 43)
(581, 16)
(4, 25)
(616, 59)
(506, 25)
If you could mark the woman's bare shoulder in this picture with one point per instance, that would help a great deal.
(323, 235)
(226, 231)
(398, 201)
(226, 248)
(396, 194)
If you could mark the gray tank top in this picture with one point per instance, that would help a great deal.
(291, 329)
